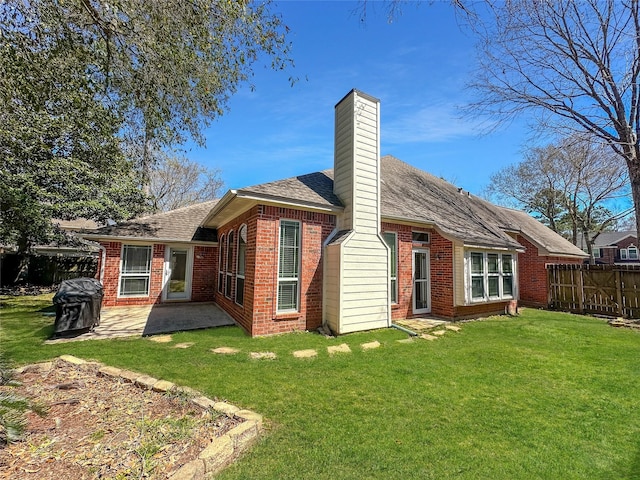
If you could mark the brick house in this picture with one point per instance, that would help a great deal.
(611, 248)
(354, 248)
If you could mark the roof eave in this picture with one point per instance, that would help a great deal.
(130, 238)
(263, 197)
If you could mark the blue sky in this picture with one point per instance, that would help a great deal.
(417, 66)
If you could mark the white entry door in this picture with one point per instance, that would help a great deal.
(421, 287)
(177, 268)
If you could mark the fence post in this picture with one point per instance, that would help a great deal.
(580, 289)
(619, 292)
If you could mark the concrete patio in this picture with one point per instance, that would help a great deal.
(152, 320)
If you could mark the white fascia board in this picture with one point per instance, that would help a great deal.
(145, 240)
(273, 199)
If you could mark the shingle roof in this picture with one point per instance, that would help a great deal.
(407, 193)
(313, 188)
(412, 194)
(607, 239)
(180, 225)
(415, 195)
(539, 234)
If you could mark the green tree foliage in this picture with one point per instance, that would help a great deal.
(83, 81)
(60, 152)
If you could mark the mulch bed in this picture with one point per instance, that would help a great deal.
(101, 427)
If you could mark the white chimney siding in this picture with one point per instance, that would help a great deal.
(356, 273)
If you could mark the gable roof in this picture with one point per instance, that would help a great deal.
(608, 239)
(410, 194)
(180, 225)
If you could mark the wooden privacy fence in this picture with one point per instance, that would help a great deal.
(611, 290)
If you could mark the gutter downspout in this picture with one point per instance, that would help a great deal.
(411, 333)
(103, 259)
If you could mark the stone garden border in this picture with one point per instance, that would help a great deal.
(222, 451)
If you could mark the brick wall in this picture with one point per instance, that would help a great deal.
(112, 275)
(203, 280)
(205, 266)
(258, 314)
(532, 273)
(441, 271)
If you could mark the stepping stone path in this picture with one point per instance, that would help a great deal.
(225, 350)
(453, 328)
(161, 338)
(405, 340)
(370, 345)
(344, 348)
(262, 355)
(305, 353)
(439, 332)
(184, 345)
(426, 336)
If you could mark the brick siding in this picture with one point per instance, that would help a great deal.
(532, 273)
(441, 272)
(202, 286)
(258, 314)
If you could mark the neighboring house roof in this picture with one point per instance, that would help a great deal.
(180, 225)
(608, 239)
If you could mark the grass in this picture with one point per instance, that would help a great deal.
(546, 395)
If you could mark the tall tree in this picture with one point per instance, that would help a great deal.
(168, 66)
(573, 185)
(177, 182)
(59, 150)
(82, 79)
(577, 63)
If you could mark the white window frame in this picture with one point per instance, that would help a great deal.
(393, 290)
(289, 280)
(632, 248)
(596, 253)
(485, 275)
(242, 232)
(221, 257)
(228, 282)
(124, 274)
(623, 254)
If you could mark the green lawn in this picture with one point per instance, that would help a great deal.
(545, 395)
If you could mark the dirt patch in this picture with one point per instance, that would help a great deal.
(103, 427)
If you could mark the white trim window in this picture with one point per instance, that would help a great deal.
(135, 271)
(241, 264)
(289, 266)
(632, 252)
(229, 263)
(221, 258)
(391, 239)
(490, 276)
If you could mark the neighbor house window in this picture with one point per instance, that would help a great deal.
(220, 265)
(288, 266)
(391, 239)
(632, 253)
(596, 253)
(242, 260)
(229, 263)
(135, 271)
(489, 276)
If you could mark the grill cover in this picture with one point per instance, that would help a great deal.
(78, 302)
